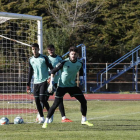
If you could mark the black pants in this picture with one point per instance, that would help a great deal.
(40, 96)
(61, 107)
(57, 101)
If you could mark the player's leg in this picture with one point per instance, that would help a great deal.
(60, 92)
(39, 108)
(56, 103)
(38, 115)
(61, 108)
(83, 103)
(51, 111)
(43, 96)
(37, 101)
(77, 93)
(62, 111)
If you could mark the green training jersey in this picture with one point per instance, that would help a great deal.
(39, 67)
(54, 60)
(68, 72)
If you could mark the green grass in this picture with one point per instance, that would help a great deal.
(113, 120)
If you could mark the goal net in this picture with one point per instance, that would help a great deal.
(17, 32)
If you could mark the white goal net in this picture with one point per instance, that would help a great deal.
(17, 33)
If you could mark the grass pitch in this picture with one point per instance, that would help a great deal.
(113, 120)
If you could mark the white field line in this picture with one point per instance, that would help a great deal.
(107, 116)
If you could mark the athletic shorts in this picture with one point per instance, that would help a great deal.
(40, 89)
(73, 91)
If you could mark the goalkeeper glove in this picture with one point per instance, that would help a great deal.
(51, 86)
(28, 89)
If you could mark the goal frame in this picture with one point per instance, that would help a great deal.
(30, 17)
(19, 104)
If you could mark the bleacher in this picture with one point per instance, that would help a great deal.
(124, 82)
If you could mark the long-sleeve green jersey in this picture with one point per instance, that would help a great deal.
(68, 72)
(39, 67)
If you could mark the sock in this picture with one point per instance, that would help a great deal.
(47, 120)
(38, 115)
(84, 118)
(64, 117)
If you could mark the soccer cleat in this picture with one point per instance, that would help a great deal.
(66, 120)
(44, 125)
(51, 119)
(87, 123)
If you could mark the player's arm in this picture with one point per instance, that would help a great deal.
(48, 63)
(58, 67)
(29, 77)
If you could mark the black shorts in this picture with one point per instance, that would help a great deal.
(40, 89)
(73, 91)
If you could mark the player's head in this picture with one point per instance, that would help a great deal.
(35, 49)
(73, 53)
(51, 49)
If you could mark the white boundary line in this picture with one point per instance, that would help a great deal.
(107, 116)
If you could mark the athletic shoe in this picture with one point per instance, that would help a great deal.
(44, 125)
(42, 121)
(51, 119)
(87, 123)
(66, 120)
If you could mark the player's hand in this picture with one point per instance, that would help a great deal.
(51, 86)
(28, 89)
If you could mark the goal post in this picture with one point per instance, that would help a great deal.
(17, 33)
(4, 16)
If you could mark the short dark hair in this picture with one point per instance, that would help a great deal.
(74, 49)
(50, 46)
(35, 45)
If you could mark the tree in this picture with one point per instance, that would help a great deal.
(73, 17)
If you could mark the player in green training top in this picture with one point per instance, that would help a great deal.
(66, 84)
(38, 65)
(54, 60)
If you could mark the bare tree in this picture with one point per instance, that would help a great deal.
(72, 15)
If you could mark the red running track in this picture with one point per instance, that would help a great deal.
(30, 97)
(121, 97)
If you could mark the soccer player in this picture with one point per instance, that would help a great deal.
(38, 65)
(66, 84)
(54, 60)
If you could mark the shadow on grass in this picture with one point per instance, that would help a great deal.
(99, 125)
